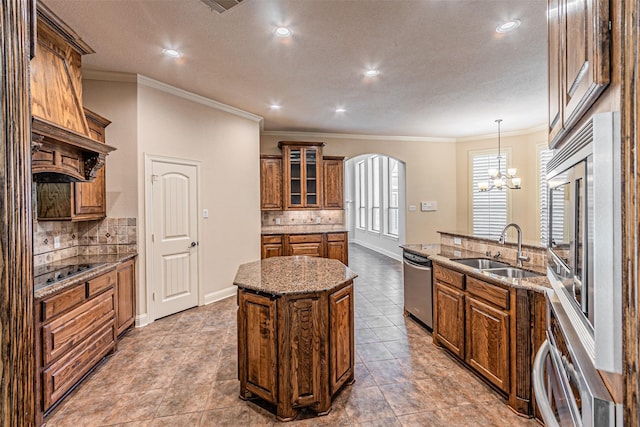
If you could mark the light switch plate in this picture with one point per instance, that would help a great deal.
(429, 206)
(56, 242)
(205, 213)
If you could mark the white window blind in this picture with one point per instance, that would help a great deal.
(489, 207)
(544, 155)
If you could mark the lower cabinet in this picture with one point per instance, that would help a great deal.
(126, 295)
(77, 328)
(295, 350)
(325, 245)
(492, 329)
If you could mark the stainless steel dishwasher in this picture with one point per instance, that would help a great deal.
(418, 287)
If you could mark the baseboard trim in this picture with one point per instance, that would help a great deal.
(218, 295)
(141, 320)
(397, 257)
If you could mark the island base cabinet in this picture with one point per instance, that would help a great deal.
(296, 350)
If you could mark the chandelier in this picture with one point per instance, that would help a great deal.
(499, 180)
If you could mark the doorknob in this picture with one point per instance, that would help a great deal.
(193, 244)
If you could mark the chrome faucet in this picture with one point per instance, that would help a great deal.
(503, 237)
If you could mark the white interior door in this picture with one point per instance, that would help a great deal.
(174, 239)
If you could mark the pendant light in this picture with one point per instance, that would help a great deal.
(498, 180)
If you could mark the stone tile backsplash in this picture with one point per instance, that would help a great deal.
(108, 236)
(507, 251)
(331, 217)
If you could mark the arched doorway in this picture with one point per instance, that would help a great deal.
(375, 194)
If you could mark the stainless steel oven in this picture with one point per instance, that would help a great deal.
(569, 390)
(584, 241)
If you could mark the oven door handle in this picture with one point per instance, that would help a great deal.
(538, 386)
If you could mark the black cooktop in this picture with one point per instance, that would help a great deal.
(62, 272)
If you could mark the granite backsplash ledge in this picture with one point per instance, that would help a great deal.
(108, 236)
(306, 217)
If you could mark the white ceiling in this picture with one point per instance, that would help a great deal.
(445, 72)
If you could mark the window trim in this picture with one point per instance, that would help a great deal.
(361, 195)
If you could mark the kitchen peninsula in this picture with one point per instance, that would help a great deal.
(295, 332)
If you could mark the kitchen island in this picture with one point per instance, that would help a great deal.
(295, 332)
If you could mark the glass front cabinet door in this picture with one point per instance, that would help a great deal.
(302, 174)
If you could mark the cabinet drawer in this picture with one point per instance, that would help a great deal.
(305, 238)
(336, 237)
(272, 239)
(63, 374)
(100, 283)
(308, 249)
(68, 330)
(448, 276)
(62, 302)
(488, 292)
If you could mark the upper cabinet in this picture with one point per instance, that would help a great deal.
(302, 172)
(578, 63)
(270, 182)
(333, 191)
(76, 201)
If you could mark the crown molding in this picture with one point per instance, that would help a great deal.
(109, 76)
(529, 131)
(355, 136)
(149, 82)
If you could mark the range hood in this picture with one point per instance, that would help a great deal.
(61, 147)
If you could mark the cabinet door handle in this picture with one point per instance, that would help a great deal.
(193, 244)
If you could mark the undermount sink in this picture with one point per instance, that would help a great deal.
(482, 263)
(512, 272)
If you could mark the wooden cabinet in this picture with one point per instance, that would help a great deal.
(125, 295)
(270, 183)
(326, 245)
(578, 60)
(302, 172)
(487, 341)
(295, 350)
(79, 201)
(448, 329)
(338, 247)
(341, 337)
(492, 328)
(76, 328)
(305, 244)
(272, 246)
(333, 178)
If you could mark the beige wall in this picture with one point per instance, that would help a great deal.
(227, 147)
(430, 175)
(170, 123)
(524, 203)
(117, 101)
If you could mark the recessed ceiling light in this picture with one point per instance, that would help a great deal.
(172, 53)
(283, 32)
(275, 106)
(340, 110)
(371, 73)
(508, 26)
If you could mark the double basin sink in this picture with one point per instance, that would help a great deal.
(497, 267)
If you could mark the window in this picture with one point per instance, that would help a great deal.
(374, 179)
(361, 191)
(393, 197)
(544, 156)
(489, 208)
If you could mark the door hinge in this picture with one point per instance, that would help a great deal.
(153, 296)
(154, 178)
(153, 238)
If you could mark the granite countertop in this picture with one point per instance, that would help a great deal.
(304, 229)
(293, 275)
(445, 256)
(100, 264)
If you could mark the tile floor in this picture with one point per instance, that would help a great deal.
(181, 371)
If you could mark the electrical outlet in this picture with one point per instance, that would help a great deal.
(318, 220)
(412, 208)
(457, 241)
(56, 242)
(205, 213)
(277, 221)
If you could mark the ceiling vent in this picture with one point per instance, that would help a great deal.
(221, 6)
